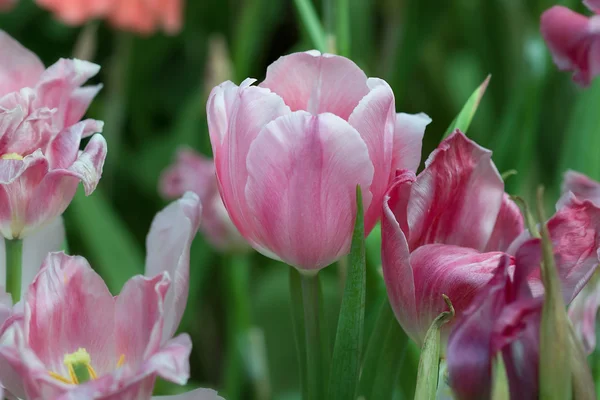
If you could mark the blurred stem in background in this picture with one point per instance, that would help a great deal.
(115, 110)
(14, 260)
(87, 42)
(310, 20)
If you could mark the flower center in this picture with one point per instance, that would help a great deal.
(11, 156)
(79, 366)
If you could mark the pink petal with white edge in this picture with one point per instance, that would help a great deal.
(583, 312)
(168, 249)
(509, 225)
(374, 118)
(573, 41)
(582, 186)
(317, 83)
(198, 394)
(303, 172)
(63, 150)
(171, 362)
(139, 332)
(408, 140)
(68, 306)
(593, 5)
(235, 117)
(19, 67)
(457, 198)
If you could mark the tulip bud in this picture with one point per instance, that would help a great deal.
(554, 364)
(427, 377)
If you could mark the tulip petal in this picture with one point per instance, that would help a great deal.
(168, 249)
(19, 67)
(582, 187)
(63, 150)
(68, 306)
(573, 41)
(583, 312)
(509, 225)
(456, 199)
(139, 332)
(317, 83)
(171, 362)
(190, 172)
(374, 118)
(235, 117)
(408, 140)
(303, 171)
(593, 5)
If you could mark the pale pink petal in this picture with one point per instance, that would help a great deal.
(582, 186)
(197, 394)
(574, 42)
(509, 225)
(235, 117)
(317, 83)
(457, 272)
(168, 249)
(457, 198)
(63, 150)
(408, 140)
(191, 172)
(139, 318)
(68, 306)
(303, 172)
(79, 103)
(374, 118)
(19, 67)
(395, 255)
(583, 312)
(593, 5)
(171, 362)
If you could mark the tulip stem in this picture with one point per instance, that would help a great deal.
(237, 276)
(318, 351)
(14, 256)
(297, 309)
(311, 22)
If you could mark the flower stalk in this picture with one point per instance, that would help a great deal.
(14, 257)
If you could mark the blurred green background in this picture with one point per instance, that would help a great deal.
(433, 53)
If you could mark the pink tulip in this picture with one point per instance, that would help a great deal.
(290, 152)
(574, 41)
(75, 340)
(6, 5)
(445, 231)
(40, 133)
(141, 16)
(582, 187)
(504, 317)
(196, 173)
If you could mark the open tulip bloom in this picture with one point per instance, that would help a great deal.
(446, 230)
(74, 340)
(40, 134)
(290, 152)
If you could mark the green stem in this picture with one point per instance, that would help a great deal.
(298, 323)
(311, 22)
(342, 24)
(237, 276)
(317, 340)
(14, 257)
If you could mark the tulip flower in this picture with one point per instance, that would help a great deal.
(6, 5)
(75, 340)
(40, 133)
(574, 40)
(140, 16)
(290, 152)
(196, 173)
(446, 230)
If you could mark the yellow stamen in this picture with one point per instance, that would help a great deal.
(60, 377)
(11, 156)
(121, 361)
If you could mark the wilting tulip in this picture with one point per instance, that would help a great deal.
(75, 340)
(141, 16)
(504, 317)
(40, 133)
(196, 173)
(574, 41)
(445, 231)
(290, 152)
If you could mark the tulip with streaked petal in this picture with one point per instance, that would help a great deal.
(75, 340)
(574, 40)
(445, 231)
(290, 152)
(196, 173)
(40, 134)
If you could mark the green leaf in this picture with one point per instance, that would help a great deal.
(310, 20)
(112, 250)
(464, 118)
(345, 367)
(427, 377)
(583, 381)
(342, 24)
(554, 374)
